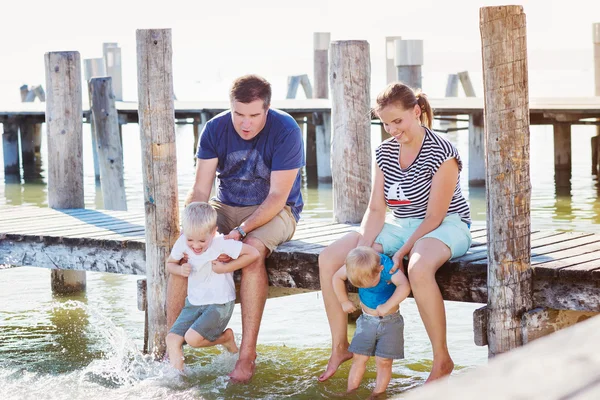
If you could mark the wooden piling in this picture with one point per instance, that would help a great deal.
(159, 160)
(476, 150)
(28, 130)
(93, 67)
(596, 139)
(510, 288)
(10, 147)
(391, 72)
(562, 156)
(110, 152)
(112, 62)
(322, 121)
(350, 81)
(408, 60)
(451, 91)
(64, 115)
(466, 84)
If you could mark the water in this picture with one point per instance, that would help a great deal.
(87, 346)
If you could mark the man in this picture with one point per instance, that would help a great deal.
(255, 153)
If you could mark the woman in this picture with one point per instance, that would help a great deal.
(417, 178)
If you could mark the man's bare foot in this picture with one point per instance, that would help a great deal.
(334, 363)
(440, 370)
(230, 344)
(243, 371)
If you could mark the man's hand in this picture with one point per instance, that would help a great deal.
(185, 270)
(348, 307)
(220, 267)
(234, 234)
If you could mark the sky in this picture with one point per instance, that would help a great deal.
(216, 41)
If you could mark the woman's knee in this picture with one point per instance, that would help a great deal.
(419, 271)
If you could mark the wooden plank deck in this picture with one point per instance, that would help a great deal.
(566, 265)
(542, 110)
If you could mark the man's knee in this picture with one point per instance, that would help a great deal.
(258, 245)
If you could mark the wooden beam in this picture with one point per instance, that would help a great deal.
(159, 166)
(508, 189)
(540, 322)
(564, 365)
(350, 77)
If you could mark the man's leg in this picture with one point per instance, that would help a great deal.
(253, 295)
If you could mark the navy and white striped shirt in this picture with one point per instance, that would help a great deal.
(407, 190)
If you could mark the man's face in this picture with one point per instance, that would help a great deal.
(248, 118)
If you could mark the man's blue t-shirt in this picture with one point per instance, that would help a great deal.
(377, 295)
(244, 167)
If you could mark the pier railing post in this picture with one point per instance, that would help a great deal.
(159, 165)
(322, 131)
(350, 80)
(510, 291)
(108, 143)
(64, 120)
(596, 139)
(409, 60)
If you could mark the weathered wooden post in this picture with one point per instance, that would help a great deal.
(198, 126)
(562, 156)
(465, 82)
(476, 150)
(10, 147)
(510, 291)
(110, 152)
(451, 91)
(157, 124)
(112, 61)
(28, 130)
(64, 120)
(408, 61)
(321, 121)
(350, 81)
(93, 67)
(391, 72)
(596, 139)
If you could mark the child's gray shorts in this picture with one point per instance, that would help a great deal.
(379, 336)
(208, 320)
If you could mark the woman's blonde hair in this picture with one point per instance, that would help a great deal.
(198, 217)
(399, 93)
(362, 266)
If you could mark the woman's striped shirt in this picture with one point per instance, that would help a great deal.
(407, 189)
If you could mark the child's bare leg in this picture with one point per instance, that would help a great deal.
(359, 365)
(384, 374)
(227, 339)
(175, 350)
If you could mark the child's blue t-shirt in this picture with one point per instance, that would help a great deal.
(244, 166)
(377, 295)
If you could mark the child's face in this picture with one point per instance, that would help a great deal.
(199, 242)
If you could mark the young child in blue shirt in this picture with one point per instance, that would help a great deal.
(380, 328)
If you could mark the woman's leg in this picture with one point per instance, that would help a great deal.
(330, 260)
(427, 256)
(357, 371)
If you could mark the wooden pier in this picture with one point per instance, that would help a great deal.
(566, 266)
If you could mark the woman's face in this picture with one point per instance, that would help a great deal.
(402, 124)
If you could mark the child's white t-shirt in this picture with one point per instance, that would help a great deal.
(204, 285)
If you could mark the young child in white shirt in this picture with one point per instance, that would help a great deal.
(211, 291)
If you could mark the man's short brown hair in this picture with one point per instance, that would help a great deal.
(249, 88)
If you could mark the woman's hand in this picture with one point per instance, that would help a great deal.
(348, 307)
(397, 259)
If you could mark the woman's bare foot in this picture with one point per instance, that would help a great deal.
(441, 369)
(229, 343)
(336, 359)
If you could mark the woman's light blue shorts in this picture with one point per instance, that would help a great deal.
(453, 232)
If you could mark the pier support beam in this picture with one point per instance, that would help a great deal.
(596, 139)
(109, 149)
(350, 78)
(451, 91)
(510, 286)
(112, 61)
(93, 67)
(409, 60)
(64, 131)
(10, 147)
(562, 157)
(321, 145)
(476, 150)
(159, 166)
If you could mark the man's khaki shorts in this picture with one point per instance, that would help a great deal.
(278, 230)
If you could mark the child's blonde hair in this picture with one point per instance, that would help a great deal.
(362, 266)
(198, 217)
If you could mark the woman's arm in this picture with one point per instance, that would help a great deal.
(442, 190)
(374, 217)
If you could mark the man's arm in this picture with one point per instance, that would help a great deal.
(206, 171)
(281, 185)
